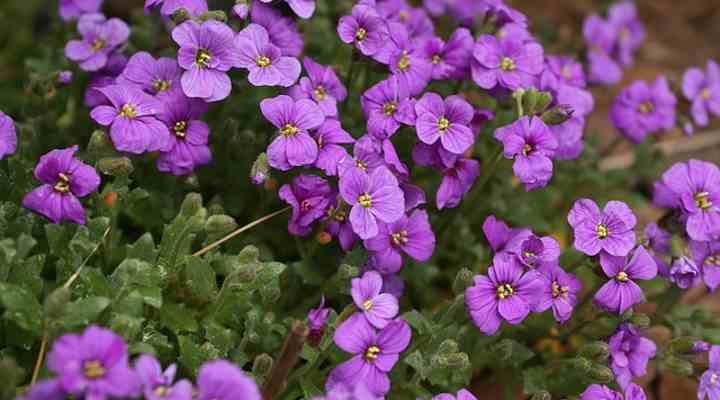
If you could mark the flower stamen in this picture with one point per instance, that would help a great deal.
(400, 238)
(289, 130)
(180, 128)
(622, 276)
(602, 231)
(507, 64)
(93, 369)
(128, 111)
(443, 123)
(263, 61)
(371, 353)
(702, 200)
(203, 58)
(63, 183)
(361, 34)
(365, 200)
(505, 290)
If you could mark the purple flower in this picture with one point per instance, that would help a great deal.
(463, 394)
(684, 273)
(506, 293)
(602, 392)
(303, 8)
(364, 28)
(8, 136)
(340, 391)
(367, 157)
(451, 59)
(630, 31)
(293, 146)
(658, 238)
(207, 52)
(158, 384)
(70, 9)
(222, 380)
(105, 77)
(132, 117)
(600, 36)
(641, 109)
(694, 188)
(700, 346)
(621, 292)
(242, 8)
(65, 77)
(706, 255)
(527, 249)
(329, 138)
(49, 389)
(387, 105)
(321, 85)
(562, 70)
(499, 234)
(375, 353)
(702, 88)
(447, 121)
(189, 136)
(506, 62)
(317, 319)
(629, 354)
(65, 179)
(265, 63)
(709, 381)
(379, 308)
(411, 235)
(374, 196)
(406, 60)
(93, 364)
(529, 142)
(194, 7)
(154, 76)
(100, 37)
(282, 30)
(339, 225)
(610, 230)
(309, 196)
(457, 180)
(559, 291)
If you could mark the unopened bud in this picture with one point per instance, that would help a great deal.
(347, 271)
(601, 373)
(678, 366)
(535, 102)
(457, 361)
(270, 293)
(180, 15)
(192, 204)
(260, 170)
(600, 328)
(262, 365)
(463, 280)
(99, 143)
(642, 321)
(701, 346)
(247, 273)
(218, 225)
(110, 199)
(557, 115)
(56, 302)
(448, 346)
(217, 15)
(581, 364)
(115, 166)
(542, 395)
(682, 345)
(598, 351)
(323, 238)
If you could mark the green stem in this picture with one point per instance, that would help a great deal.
(668, 301)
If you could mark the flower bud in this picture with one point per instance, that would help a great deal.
(270, 293)
(347, 271)
(323, 238)
(115, 166)
(262, 365)
(557, 115)
(448, 346)
(217, 15)
(180, 15)
(192, 204)
(642, 321)
(701, 346)
(457, 361)
(218, 225)
(99, 143)
(581, 364)
(684, 272)
(678, 366)
(682, 345)
(598, 351)
(601, 373)
(535, 102)
(55, 303)
(260, 170)
(65, 77)
(463, 280)
(247, 273)
(541, 395)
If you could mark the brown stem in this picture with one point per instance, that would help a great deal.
(286, 362)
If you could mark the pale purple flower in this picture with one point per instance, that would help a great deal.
(702, 88)
(100, 37)
(158, 384)
(309, 196)
(411, 235)
(374, 196)
(630, 31)
(562, 70)
(242, 8)
(8, 135)
(559, 291)
(367, 157)
(155, 76)
(641, 109)
(207, 52)
(463, 394)
(339, 225)
(436, 7)
(364, 28)
(321, 85)
(293, 146)
(451, 59)
(710, 379)
(303, 8)
(64, 178)
(621, 292)
(387, 105)
(600, 36)
(65, 77)
(188, 147)
(707, 256)
(329, 137)
(168, 7)
(506, 293)
(658, 242)
(629, 354)
(133, 119)
(340, 391)
(265, 63)
(406, 61)
(378, 308)
(609, 230)
(505, 62)
(282, 30)
(222, 380)
(447, 121)
(602, 392)
(70, 9)
(684, 272)
(499, 234)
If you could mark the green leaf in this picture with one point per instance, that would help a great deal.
(21, 307)
(191, 354)
(534, 380)
(143, 249)
(83, 312)
(178, 319)
(200, 279)
(222, 338)
(27, 273)
(133, 272)
(58, 238)
(178, 236)
(418, 321)
(151, 296)
(127, 326)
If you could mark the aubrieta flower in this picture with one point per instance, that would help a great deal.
(641, 109)
(405, 60)
(609, 230)
(265, 63)
(321, 85)
(457, 180)
(600, 36)
(531, 144)
(506, 293)
(340, 391)
(374, 353)
(506, 62)
(499, 234)
(100, 37)
(155, 76)
(49, 389)
(338, 225)
(629, 354)
(701, 346)
(70, 9)
(188, 147)
(374, 196)
(621, 292)
(223, 380)
(451, 59)
(559, 291)
(684, 272)
(602, 392)
(630, 31)
(658, 243)
(693, 188)
(707, 256)
(378, 308)
(367, 157)
(309, 196)
(710, 379)
(317, 319)
(303, 8)
(364, 28)
(447, 121)
(8, 135)
(702, 88)
(93, 365)
(65, 77)
(168, 7)
(105, 77)
(64, 178)
(411, 235)
(329, 137)
(282, 30)
(562, 70)
(157, 384)
(527, 249)
(387, 105)
(462, 394)
(207, 52)
(293, 146)
(132, 117)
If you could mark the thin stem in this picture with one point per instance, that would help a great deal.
(40, 358)
(287, 360)
(239, 231)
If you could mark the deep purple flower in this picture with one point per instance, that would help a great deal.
(189, 135)
(529, 142)
(8, 135)
(70, 9)
(447, 121)
(339, 225)
(559, 291)
(706, 255)
(621, 292)
(207, 52)
(303, 8)
(701, 346)
(600, 36)
(411, 235)
(506, 293)
(321, 85)
(451, 59)
(329, 137)
(364, 28)
(658, 243)
(610, 230)
(65, 179)
(463, 394)
(499, 234)
(684, 272)
(100, 37)
(157, 384)
(317, 319)
(132, 117)
(194, 7)
(629, 354)
(282, 30)
(710, 379)
(49, 389)
(374, 196)
(265, 63)
(387, 105)
(93, 364)
(293, 146)
(503, 13)
(309, 196)
(528, 250)
(222, 380)
(602, 392)
(702, 88)
(154, 76)
(694, 188)
(630, 31)
(506, 62)
(641, 109)
(375, 353)
(457, 180)
(406, 60)
(379, 308)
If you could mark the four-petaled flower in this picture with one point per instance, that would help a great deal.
(379, 308)
(445, 120)
(621, 292)
(264, 61)
(609, 230)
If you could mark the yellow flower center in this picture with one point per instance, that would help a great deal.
(263, 61)
(63, 183)
(128, 111)
(400, 237)
(602, 231)
(289, 130)
(436, 59)
(361, 34)
(365, 200)
(161, 85)
(98, 44)
(702, 200)
(507, 64)
(320, 92)
(389, 108)
(443, 123)
(705, 93)
(646, 106)
(505, 290)
(712, 259)
(622, 276)
(180, 128)
(161, 391)
(203, 58)
(367, 305)
(371, 353)
(558, 290)
(527, 148)
(404, 62)
(93, 369)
